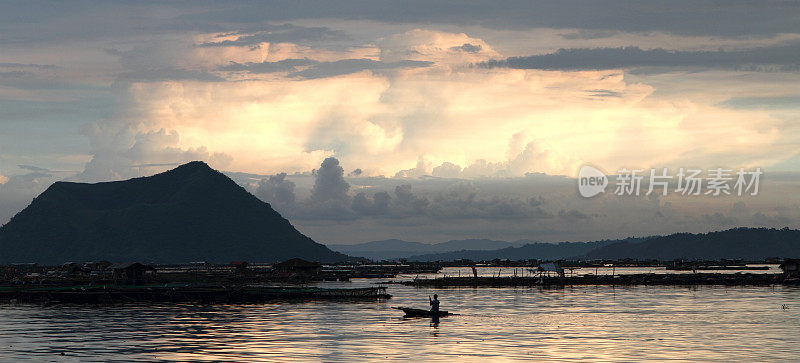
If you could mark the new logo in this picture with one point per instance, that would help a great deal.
(591, 181)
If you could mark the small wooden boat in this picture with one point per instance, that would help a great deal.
(420, 313)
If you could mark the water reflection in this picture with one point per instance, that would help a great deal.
(593, 323)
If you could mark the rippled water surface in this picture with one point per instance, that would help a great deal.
(586, 322)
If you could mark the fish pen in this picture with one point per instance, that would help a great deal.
(183, 294)
(736, 279)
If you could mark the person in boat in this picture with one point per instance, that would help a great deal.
(434, 304)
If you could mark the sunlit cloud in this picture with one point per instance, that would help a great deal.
(488, 122)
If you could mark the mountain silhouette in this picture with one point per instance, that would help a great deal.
(190, 213)
(396, 249)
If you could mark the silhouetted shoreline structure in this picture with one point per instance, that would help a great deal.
(131, 270)
(298, 266)
(791, 267)
(735, 279)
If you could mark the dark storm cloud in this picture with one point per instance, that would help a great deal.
(468, 48)
(330, 199)
(348, 66)
(603, 93)
(378, 205)
(710, 17)
(781, 57)
(286, 65)
(25, 22)
(330, 183)
(276, 190)
(408, 202)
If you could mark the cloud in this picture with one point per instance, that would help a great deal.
(40, 23)
(467, 47)
(572, 215)
(601, 93)
(378, 205)
(33, 168)
(589, 34)
(349, 66)
(286, 33)
(442, 48)
(447, 170)
(329, 184)
(330, 199)
(27, 65)
(780, 57)
(409, 203)
(310, 69)
(681, 17)
(17, 191)
(465, 117)
(420, 170)
(122, 152)
(514, 207)
(762, 102)
(285, 65)
(278, 191)
(387, 120)
(524, 156)
(169, 74)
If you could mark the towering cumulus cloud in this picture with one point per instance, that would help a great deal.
(276, 190)
(329, 184)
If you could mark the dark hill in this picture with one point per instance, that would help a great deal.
(737, 243)
(751, 244)
(191, 213)
(542, 251)
(395, 248)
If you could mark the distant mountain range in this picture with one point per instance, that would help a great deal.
(744, 243)
(394, 248)
(541, 251)
(738, 243)
(191, 213)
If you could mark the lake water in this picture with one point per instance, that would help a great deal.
(594, 323)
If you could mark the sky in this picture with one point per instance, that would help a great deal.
(419, 120)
